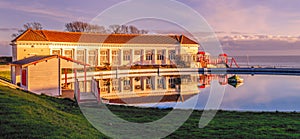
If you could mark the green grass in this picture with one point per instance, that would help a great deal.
(5, 75)
(25, 115)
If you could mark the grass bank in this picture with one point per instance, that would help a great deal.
(5, 75)
(25, 115)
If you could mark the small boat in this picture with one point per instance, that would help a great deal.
(235, 79)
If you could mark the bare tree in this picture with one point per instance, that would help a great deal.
(79, 26)
(123, 29)
(96, 29)
(144, 31)
(133, 30)
(115, 29)
(26, 26)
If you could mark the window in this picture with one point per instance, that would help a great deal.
(160, 82)
(148, 56)
(186, 58)
(115, 84)
(114, 57)
(104, 87)
(69, 53)
(172, 83)
(93, 57)
(148, 81)
(126, 56)
(103, 56)
(80, 55)
(194, 58)
(126, 82)
(160, 57)
(56, 52)
(172, 54)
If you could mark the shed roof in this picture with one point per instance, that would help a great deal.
(36, 59)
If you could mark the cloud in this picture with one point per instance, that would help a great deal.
(39, 10)
(232, 16)
(264, 17)
(8, 29)
(4, 43)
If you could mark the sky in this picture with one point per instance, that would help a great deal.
(276, 17)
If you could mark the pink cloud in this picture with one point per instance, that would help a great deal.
(39, 10)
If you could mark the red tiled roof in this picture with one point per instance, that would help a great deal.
(56, 36)
(30, 35)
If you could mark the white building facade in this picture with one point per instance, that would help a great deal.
(113, 49)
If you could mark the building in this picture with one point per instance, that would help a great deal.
(99, 49)
(41, 74)
(36, 51)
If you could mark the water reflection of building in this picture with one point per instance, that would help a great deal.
(170, 87)
(223, 79)
(154, 89)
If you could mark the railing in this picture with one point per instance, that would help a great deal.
(77, 90)
(95, 89)
(232, 61)
(126, 73)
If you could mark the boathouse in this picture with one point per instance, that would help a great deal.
(42, 74)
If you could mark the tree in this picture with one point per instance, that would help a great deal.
(114, 29)
(123, 29)
(78, 26)
(26, 26)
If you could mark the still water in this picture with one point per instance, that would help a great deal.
(194, 90)
(258, 93)
(255, 93)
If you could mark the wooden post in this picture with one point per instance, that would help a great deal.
(78, 93)
(75, 75)
(66, 78)
(85, 78)
(76, 85)
(98, 89)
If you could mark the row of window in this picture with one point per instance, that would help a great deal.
(104, 56)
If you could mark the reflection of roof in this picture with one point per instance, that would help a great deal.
(151, 99)
(37, 59)
(56, 36)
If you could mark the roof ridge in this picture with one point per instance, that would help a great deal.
(119, 34)
(62, 36)
(44, 36)
(17, 38)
